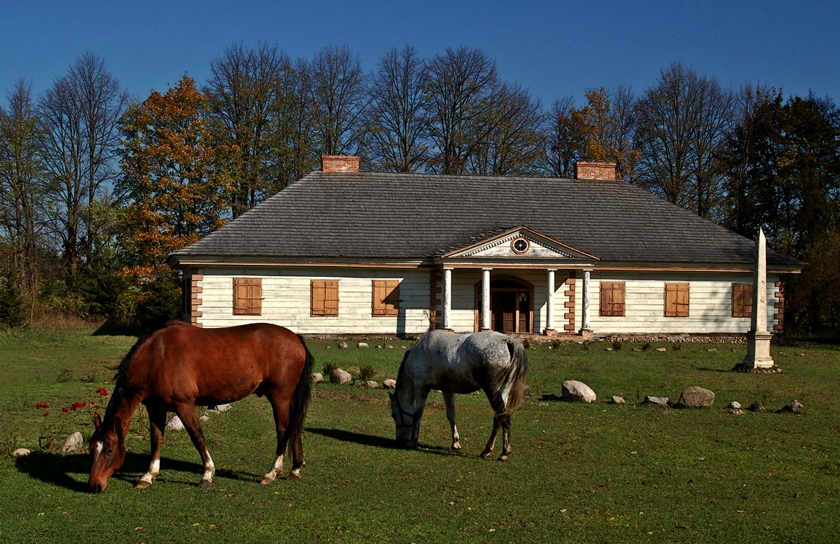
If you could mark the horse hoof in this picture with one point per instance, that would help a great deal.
(205, 483)
(503, 458)
(485, 454)
(143, 485)
(267, 481)
(293, 475)
(456, 446)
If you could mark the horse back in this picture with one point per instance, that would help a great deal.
(182, 362)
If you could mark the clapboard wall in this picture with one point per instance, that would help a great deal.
(286, 300)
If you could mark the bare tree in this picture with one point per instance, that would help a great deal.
(338, 100)
(562, 139)
(509, 144)
(79, 137)
(459, 84)
(20, 184)
(293, 126)
(396, 118)
(242, 92)
(682, 121)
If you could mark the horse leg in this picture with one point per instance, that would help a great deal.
(189, 417)
(449, 399)
(281, 420)
(505, 420)
(491, 442)
(157, 424)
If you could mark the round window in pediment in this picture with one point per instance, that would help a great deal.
(520, 246)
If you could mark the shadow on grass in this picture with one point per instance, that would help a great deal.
(356, 438)
(379, 442)
(71, 471)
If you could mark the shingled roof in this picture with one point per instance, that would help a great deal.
(419, 217)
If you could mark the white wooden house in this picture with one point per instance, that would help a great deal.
(349, 252)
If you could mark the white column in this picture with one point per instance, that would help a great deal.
(549, 309)
(447, 298)
(485, 299)
(584, 322)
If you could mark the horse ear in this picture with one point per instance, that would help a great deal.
(97, 421)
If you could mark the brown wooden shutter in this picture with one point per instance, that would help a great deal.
(324, 298)
(676, 299)
(247, 296)
(386, 297)
(612, 298)
(331, 298)
(742, 295)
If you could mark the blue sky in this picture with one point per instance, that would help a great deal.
(554, 49)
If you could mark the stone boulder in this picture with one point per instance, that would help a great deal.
(696, 397)
(342, 345)
(389, 384)
(659, 401)
(794, 407)
(756, 407)
(372, 384)
(218, 408)
(21, 452)
(617, 399)
(340, 376)
(175, 424)
(73, 443)
(574, 390)
(362, 345)
(316, 377)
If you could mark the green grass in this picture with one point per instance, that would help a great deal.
(578, 472)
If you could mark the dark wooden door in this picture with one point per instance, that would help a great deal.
(504, 311)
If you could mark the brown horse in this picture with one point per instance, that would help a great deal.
(180, 367)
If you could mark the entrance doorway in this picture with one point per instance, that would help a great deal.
(511, 305)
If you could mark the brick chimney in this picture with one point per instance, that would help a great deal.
(339, 163)
(595, 170)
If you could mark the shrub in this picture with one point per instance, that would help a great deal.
(646, 346)
(367, 373)
(327, 369)
(12, 312)
(616, 345)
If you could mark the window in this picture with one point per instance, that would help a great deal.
(742, 295)
(324, 298)
(386, 297)
(612, 298)
(247, 296)
(676, 300)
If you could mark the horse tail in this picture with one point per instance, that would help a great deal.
(300, 398)
(515, 380)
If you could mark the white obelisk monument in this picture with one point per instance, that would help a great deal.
(758, 338)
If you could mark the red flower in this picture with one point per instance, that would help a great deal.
(64, 410)
(102, 391)
(42, 405)
(46, 414)
(78, 405)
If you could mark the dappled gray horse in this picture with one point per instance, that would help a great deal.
(460, 363)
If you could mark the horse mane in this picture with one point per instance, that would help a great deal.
(401, 371)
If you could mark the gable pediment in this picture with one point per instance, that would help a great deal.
(519, 244)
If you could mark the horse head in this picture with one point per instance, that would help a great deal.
(403, 420)
(107, 448)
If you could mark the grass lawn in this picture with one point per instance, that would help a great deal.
(578, 472)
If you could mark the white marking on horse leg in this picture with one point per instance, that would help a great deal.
(275, 471)
(209, 471)
(147, 479)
